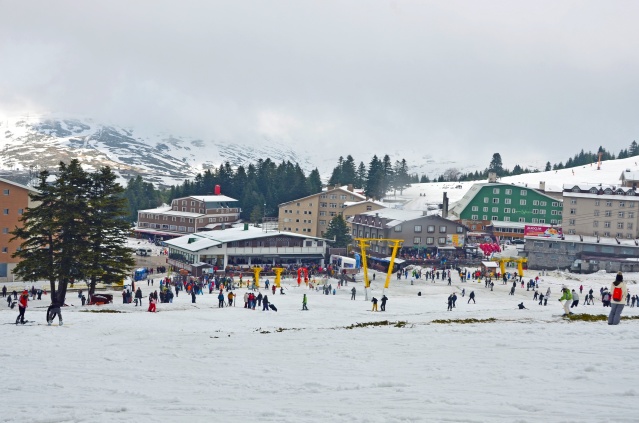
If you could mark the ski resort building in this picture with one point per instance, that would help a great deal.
(421, 233)
(506, 208)
(187, 215)
(244, 247)
(601, 211)
(14, 200)
(312, 214)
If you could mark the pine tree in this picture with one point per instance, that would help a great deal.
(108, 254)
(633, 150)
(496, 165)
(314, 182)
(338, 229)
(375, 182)
(362, 176)
(548, 167)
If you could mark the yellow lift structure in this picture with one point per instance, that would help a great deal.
(519, 260)
(366, 242)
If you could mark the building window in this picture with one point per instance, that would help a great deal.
(595, 224)
(5, 230)
(5, 249)
(474, 217)
(535, 202)
(495, 200)
(430, 228)
(628, 225)
(607, 213)
(485, 199)
(506, 218)
(460, 229)
(441, 240)
(5, 192)
(522, 220)
(494, 218)
(536, 211)
(322, 222)
(555, 204)
(622, 204)
(522, 202)
(398, 228)
(507, 210)
(484, 217)
(619, 225)
(507, 201)
(509, 191)
(442, 229)
(5, 211)
(572, 211)
(596, 212)
(621, 214)
(495, 210)
(430, 240)
(631, 215)
(417, 240)
(573, 201)
(485, 209)
(606, 224)
(475, 208)
(609, 203)
(418, 228)
(523, 193)
(495, 190)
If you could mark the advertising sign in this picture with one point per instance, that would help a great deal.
(543, 231)
(454, 240)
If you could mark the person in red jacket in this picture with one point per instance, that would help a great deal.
(22, 306)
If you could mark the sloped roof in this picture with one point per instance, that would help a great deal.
(7, 181)
(341, 189)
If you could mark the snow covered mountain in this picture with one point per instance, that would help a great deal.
(36, 143)
(30, 143)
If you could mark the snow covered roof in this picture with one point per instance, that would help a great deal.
(588, 240)
(212, 198)
(395, 214)
(342, 189)
(502, 224)
(167, 210)
(205, 240)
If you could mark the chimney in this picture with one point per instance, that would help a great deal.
(350, 187)
(492, 177)
(542, 186)
(445, 206)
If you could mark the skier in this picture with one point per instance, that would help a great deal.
(22, 306)
(384, 299)
(471, 296)
(619, 291)
(304, 302)
(567, 296)
(374, 301)
(52, 312)
(353, 293)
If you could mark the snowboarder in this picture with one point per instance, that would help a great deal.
(521, 306)
(22, 306)
(384, 299)
(304, 302)
(567, 297)
(619, 291)
(353, 293)
(374, 301)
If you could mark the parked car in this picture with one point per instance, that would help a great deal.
(518, 241)
(98, 299)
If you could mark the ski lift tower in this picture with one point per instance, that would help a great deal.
(366, 242)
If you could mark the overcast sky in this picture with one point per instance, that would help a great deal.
(533, 80)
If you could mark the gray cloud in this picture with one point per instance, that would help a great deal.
(462, 79)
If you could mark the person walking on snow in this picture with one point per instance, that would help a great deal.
(304, 302)
(471, 296)
(353, 293)
(450, 303)
(52, 312)
(22, 306)
(575, 299)
(265, 303)
(384, 299)
(567, 297)
(619, 291)
(374, 301)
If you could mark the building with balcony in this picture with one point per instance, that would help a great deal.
(421, 233)
(14, 200)
(312, 214)
(244, 246)
(601, 211)
(187, 215)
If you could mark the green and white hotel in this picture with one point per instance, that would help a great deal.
(506, 209)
